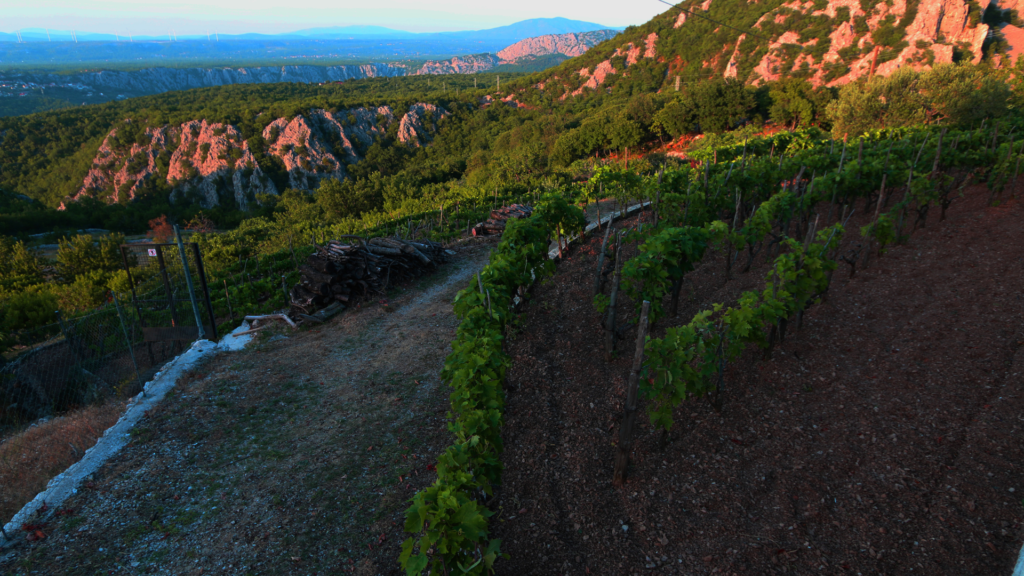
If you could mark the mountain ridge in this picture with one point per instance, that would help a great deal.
(827, 42)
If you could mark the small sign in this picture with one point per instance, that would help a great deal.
(152, 252)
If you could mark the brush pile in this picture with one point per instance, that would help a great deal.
(351, 267)
(496, 223)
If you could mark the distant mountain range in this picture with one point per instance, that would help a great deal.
(510, 33)
(57, 51)
(23, 92)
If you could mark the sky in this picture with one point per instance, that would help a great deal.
(153, 17)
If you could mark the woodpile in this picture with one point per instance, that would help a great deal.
(496, 223)
(351, 267)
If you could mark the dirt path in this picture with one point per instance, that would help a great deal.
(884, 437)
(295, 456)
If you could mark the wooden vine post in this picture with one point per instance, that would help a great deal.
(629, 420)
(600, 261)
(609, 323)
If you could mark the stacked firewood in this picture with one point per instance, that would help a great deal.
(499, 217)
(351, 267)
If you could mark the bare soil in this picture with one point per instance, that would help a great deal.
(294, 456)
(882, 437)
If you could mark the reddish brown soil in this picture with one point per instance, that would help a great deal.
(884, 437)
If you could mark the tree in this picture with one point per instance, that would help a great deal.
(676, 118)
(963, 94)
(881, 102)
(795, 101)
(16, 260)
(721, 104)
(625, 133)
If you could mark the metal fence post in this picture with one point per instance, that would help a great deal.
(128, 340)
(188, 281)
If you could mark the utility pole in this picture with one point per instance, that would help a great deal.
(677, 83)
(499, 83)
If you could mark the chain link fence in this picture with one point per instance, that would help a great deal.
(64, 383)
(75, 362)
(170, 295)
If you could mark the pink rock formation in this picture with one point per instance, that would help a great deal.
(601, 71)
(629, 51)
(306, 157)
(651, 41)
(680, 20)
(570, 45)
(113, 170)
(732, 68)
(460, 65)
(212, 159)
(419, 124)
(1015, 38)
(938, 26)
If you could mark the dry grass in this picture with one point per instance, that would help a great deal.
(30, 459)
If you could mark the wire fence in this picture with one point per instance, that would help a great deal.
(76, 362)
(63, 384)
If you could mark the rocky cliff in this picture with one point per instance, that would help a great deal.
(570, 45)
(211, 164)
(460, 65)
(212, 160)
(828, 42)
(156, 80)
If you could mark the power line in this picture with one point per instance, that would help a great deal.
(715, 21)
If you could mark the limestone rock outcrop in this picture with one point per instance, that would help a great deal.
(570, 45)
(460, 65)
(117, 172)
(210, 163)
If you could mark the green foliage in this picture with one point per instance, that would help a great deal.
(796, 102)
(449, 527)
(663, 260)
(29, 310)
(83, 254)
(959, 94)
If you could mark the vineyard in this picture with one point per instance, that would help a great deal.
(779, 205)
(683, 390)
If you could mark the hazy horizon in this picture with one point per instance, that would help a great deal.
(189, 17)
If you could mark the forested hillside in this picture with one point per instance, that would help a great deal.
(264, 164)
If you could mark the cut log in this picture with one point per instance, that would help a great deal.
(321, 265)
(314, 275)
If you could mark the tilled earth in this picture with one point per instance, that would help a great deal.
(882, 437)
(294, 456)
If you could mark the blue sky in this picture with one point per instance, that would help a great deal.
(272, 16)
